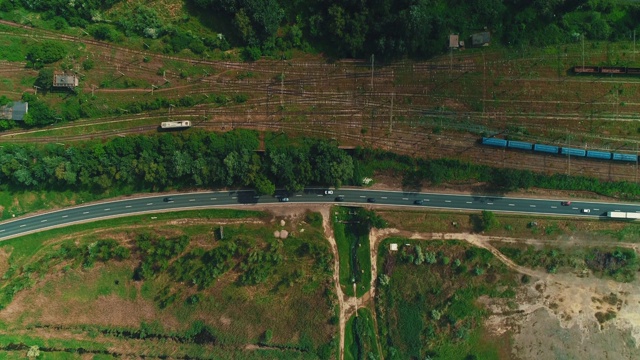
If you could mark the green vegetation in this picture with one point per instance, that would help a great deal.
(426, 304)
(351, 230)
(386, 28)
(439, 171)
(263, 285)
(163, 161)
(620, 264)
(360, 337)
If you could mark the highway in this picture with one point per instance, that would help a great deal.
(184, 201)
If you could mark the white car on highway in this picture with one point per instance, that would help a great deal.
(586, 211)
(328, 192)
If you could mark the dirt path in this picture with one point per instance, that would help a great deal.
(328, 233)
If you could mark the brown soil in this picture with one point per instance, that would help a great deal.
(556, 313)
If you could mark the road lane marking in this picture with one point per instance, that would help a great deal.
(532, 206)
(149, 203)
(84, 213)
(214, 198)
(596, 209)
(383, 197)
(320, 195)
(107, 209)
(554, 207)
(469, 202)
(23, 225)
(405, 198)
(234, 197)
(512, 205)
(128, 206)
(64, 216)
(192, 199)
(613, 210)
(426, 199)
(447, 201)
(2, 230)
(298, 195)
(575, 208)
(43, 220)
(489, 203)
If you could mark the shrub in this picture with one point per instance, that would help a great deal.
(46, 52)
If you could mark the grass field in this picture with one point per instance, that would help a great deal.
(428, 307)
(620, 264)
(360, 337)
(516, 226)
(95, 301)
(353, 250)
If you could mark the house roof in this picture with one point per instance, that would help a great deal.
(14, 111)
(65, 80)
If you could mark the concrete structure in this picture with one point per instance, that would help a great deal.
(14, 111)
(454, 41)
(64, 80)
(481, 39)
(393, 247)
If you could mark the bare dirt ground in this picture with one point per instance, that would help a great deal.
(556, 313)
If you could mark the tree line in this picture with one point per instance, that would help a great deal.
(174, 160)
(348, 28)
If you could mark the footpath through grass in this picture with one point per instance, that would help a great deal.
(427, 299)
(186, 291)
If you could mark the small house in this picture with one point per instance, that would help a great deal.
(64, 80)
(454, 41)
(14, 111)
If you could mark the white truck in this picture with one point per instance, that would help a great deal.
(623, 215)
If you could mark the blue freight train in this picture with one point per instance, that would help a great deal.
(550, 149)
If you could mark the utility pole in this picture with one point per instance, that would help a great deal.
(372, 61)
(634, 45)
(153, 87)
(484, 82)
(391, 114)
(583, 51)
(36, 87)
(569, 150)
(93, 87)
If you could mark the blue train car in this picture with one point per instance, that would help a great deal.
(546, 148)
(599, 155)
(572, 151)
(625, 157)
(494, 142)
(520, 145)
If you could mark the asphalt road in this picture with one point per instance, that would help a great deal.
(84, 213)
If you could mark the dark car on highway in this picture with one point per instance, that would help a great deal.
(168, 199)
(340, 198)
(418, 202)
(284, 199)
(371, 200)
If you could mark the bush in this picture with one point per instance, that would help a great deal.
(46, 52)
(88, 64)
(103, 32)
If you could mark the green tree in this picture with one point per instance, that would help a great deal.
(489, 220)
(46, 52)
(45, 79)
